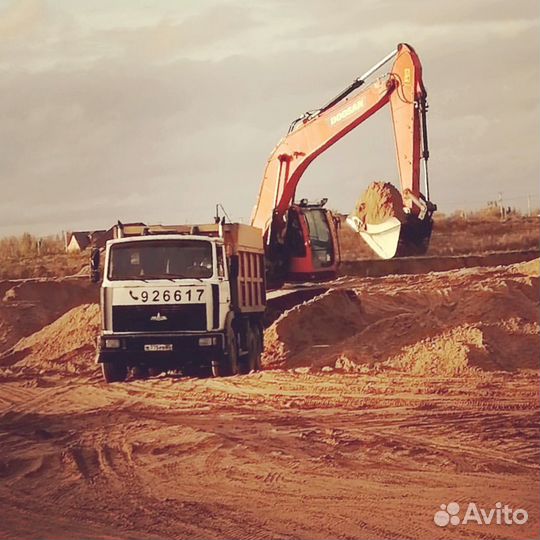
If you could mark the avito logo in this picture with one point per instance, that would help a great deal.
(500, 515)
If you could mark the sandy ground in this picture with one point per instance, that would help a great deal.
(381, 400)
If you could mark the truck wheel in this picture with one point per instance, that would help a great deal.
(140, 372)
(252, 360)
(259, 333)
(227, 364)
(217, 367)
(114, 371)
(232, 354)
(191, 370)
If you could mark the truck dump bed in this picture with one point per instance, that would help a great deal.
(244, 244)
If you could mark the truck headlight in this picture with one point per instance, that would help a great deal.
(112, 343)
(207, 341)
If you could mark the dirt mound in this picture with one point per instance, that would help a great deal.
(65, 346)
(56, 294)
(441, 324)
(49, 265)
(27, 306)
(316, 324)
(529, 268)
(379, 202)
(17, 321)
(484, 347)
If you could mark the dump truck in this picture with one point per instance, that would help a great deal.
(188, 298)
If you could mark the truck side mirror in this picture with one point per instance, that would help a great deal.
(233, 267)
(95, 273)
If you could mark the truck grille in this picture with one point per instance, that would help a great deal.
(159, 318)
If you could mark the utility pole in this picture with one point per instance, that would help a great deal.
(529, 205)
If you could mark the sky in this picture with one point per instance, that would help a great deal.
(157, 110)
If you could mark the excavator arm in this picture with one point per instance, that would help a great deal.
(316, 131)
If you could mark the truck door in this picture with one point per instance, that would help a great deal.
(223, 285)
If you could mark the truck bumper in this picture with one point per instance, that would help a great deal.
(150, 349)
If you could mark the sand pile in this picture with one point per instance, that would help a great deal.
(529, 268)
(455, 322)
(316, 324)
(378, 203)
(55, 294)
(17, 321)
(499, 347)
(65, 346)
(493, 324)
(27, 306)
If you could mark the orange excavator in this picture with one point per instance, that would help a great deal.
(301, 237)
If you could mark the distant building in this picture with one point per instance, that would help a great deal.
(98, 238)
(77, 241)
(80, 240)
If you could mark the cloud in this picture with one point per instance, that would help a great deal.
(157, 114)
(19, 20)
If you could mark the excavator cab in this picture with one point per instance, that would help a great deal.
(311, 242)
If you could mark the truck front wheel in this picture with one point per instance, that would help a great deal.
(114, 371)
(140, 372)
(227, 364)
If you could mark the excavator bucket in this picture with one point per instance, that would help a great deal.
(382, 238)
(414, 236)
(392, 238)
(387, 221)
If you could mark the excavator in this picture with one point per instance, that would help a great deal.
(301, 238)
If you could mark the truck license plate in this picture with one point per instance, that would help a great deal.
(158, 347)
(124, 296)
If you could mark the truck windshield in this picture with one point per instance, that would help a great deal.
(161, 259)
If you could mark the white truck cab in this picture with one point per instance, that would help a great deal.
(188, 298)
